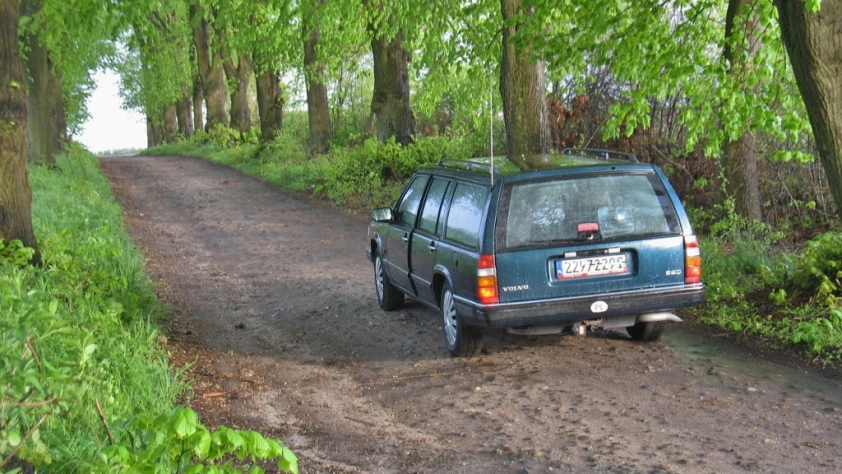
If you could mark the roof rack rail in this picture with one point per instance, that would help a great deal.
(600, 153)
(466, 164)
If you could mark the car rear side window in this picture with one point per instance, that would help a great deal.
(465, 216)
(605, 206)
(408, 207)
(432, 206)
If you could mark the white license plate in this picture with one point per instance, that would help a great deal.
(592, 266)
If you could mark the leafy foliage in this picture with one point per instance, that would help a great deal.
(815, 271)
(178, 442)
(657, 50)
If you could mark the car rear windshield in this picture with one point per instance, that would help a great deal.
(582, 208)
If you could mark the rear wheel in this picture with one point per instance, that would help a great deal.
(389, 297)
(461, 340)
(646, 331)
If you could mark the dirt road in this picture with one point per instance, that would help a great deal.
(273, 299)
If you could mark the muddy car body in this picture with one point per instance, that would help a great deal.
(578, 239)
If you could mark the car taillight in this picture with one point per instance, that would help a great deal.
(487, 280)
(692, 260)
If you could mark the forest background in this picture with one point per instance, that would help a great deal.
(736, 101)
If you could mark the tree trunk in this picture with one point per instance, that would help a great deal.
(169, 124)
(240, 76)
(390, 102)
(318, 111)
(739, 163)
(198, 104)
(270, 104)
(184, 115)
(154, 131)
(44, 106)
(523, 88)
(813, 41)
(15, 192)
(60, 117)
(210, 69)
(739, 157)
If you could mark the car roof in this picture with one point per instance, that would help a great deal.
(479, 169)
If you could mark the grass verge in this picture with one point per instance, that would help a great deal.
(85, 384)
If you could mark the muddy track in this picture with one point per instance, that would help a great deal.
(273, 302)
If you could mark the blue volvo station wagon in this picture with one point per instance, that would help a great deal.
(584, 238)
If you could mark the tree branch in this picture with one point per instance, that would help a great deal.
(25, 438)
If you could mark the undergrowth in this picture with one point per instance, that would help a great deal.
(756, 286)
(85, 383)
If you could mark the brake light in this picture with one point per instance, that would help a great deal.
(692, 260)
(487, 280)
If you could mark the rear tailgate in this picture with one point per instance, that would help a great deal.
(595, 268)
(587, 233)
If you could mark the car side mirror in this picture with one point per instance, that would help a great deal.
(382, 214)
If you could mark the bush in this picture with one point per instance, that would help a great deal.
(223, 136)
(816, 271)
(375, 172)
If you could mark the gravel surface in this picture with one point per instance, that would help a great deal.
(273, 306)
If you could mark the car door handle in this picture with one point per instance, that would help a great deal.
(405, 237)
(432, 247)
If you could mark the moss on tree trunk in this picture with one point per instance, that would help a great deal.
(522, 85)
(318, 113)
(390, 102)
(270, 104)
(814, 42)
(15, 192)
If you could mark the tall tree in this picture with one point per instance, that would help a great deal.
(270, 103)
(209, 59)
(739, 155)
(45, 123)
(198, 104)
(184, 114)
(522, 85)
(15, 192)
(813, 40)
(169, 123)
(318, 112)
(259, 36)
(239, 77)
(390, 102)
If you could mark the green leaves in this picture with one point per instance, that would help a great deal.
(671, 54)
(180, 442)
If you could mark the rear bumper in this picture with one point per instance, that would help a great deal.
(578, 308)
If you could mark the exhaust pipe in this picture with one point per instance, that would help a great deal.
(655, 317)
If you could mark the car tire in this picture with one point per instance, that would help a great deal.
(389, 297)
(461, 340)
(646, 331)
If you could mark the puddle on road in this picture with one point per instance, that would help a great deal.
(738, 359)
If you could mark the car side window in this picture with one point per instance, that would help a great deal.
(465, 216)
(408, 206)
(432, 206)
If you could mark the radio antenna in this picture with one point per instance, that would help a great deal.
(491, 120)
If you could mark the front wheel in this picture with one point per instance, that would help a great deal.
(389, 297)
(461, 340)
(646, 331)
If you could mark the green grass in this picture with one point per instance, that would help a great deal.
(90, 314)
